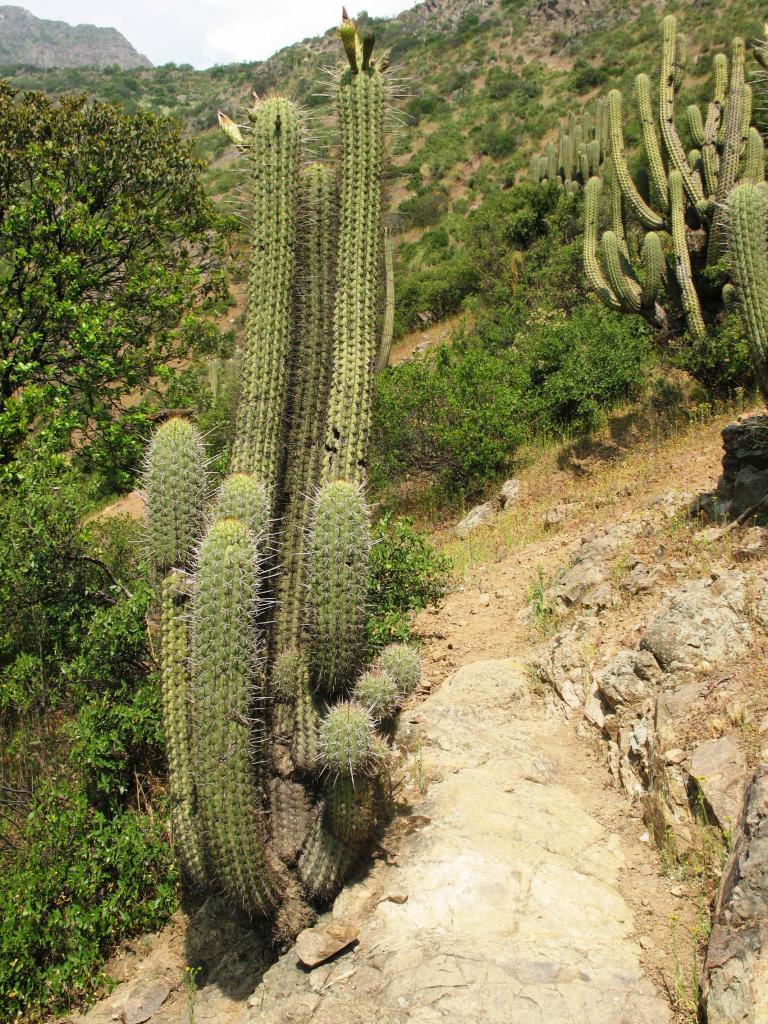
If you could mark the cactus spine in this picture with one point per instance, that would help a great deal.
(748, 239)
(688, 193)
(286, 783)
(274, 156)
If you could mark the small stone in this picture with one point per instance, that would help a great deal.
(645, 838)
(396, 897)
(484, 600)
(677, 890)
(144, 1002)
(509, 493)
(674, 756)
(316, 945)
(645, 942)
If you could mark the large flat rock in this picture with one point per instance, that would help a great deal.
(506, 907)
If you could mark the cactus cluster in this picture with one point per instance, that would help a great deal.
(580, 151)
(277, 771)
(676, 213)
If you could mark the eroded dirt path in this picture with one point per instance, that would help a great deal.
(516, 884)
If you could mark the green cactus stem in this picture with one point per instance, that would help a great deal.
(350, 809)
(730, 155)
(378, 692)
(642, 211)
(243, 496)
(388, 328)
(592, 267)
(402, 662)
(176, 483)
(747, 233)
(291, 818)
(324, 862)
(346, 741)
(175, 687)
(310, 381)
(337, 576)
(360, 101)
(274, 150)
(690, 298)
(227, 727)
(306, 750)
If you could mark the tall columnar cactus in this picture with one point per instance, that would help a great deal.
(275, 789)
(747, 223)
(274, 152)
(388, 330)
(360, 102)
(685, 199)
(581, 150)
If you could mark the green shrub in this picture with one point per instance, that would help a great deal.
(424, 209)
(435, 292)
(720, 360)
(406, 575)
(76, 880)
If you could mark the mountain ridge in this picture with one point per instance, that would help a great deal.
(36, 42)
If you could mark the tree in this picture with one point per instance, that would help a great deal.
(109, 254)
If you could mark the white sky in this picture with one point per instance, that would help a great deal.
(206, 32)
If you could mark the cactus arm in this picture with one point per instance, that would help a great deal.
(310, 382)
(175, 480)
(225, 660)
(730, 155)
(388, 328)
(670, 73)
(175, 687)
(337, 568)
(592, 268)
(242, 496)
(652, 257)
(274, 157)
(625, 287)
(754, 158)
(691, 303)
(695, 125)
(651, 146)
(747, 231)
(360, 101)
(648, 217)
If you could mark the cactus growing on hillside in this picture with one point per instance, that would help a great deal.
(580, 152)
(747, 223)
(275, 788)
(685, 197)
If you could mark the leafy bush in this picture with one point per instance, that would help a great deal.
(720, 360)
(424, 209)
(406, 575)
(78, 880)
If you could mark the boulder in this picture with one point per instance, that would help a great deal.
(476, 516)
(703, 623)
(718, 768)
(509, 493)
(749, 488)
(735, 982)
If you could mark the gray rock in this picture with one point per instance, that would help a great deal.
(477, 516)
(643, 578)
(144, 1001)
(629, 679)
(578, 582)
(560, 665)
(316, 945)
(509, 493)
(702, 623)
(749, 488)
(735, 984)
(718, 768)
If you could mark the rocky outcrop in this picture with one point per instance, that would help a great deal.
(481, 515)
(735, 989)
(743, 484)
(40, 43)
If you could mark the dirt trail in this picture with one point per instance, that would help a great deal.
(515, 884)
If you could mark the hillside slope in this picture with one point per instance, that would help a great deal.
(41, 43)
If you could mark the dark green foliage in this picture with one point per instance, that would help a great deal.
(406, 574)
(77, 880)
(81, 866)
(100, 215)
(433, 293)
(720, 359)
(461, 414)
(424, 209)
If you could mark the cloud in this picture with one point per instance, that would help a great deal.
(206, 32)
